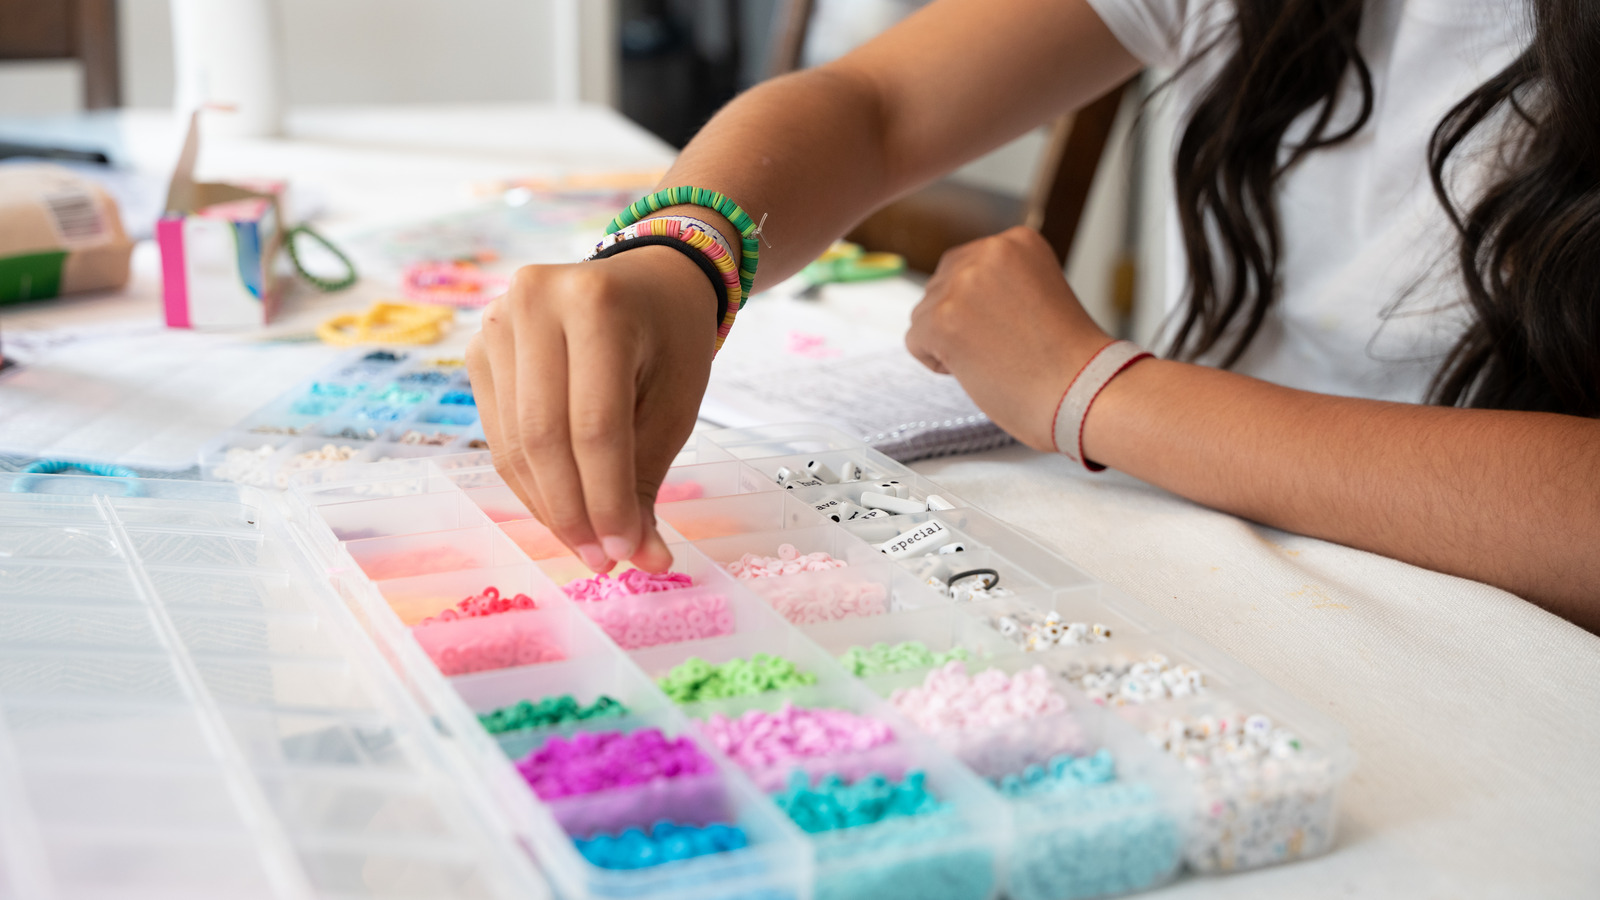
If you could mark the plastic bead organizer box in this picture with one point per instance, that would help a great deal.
(405, 686)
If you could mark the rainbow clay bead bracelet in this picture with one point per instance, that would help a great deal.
(750, 243)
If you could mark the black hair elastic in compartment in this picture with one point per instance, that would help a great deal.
(992, 582)
(695, 256)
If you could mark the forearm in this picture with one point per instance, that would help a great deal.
(805, 150)
(1509, 498)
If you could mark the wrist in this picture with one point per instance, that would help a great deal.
(678, 283)
(1099, 371)
(1112, 417)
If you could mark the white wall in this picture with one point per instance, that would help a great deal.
(371, 51)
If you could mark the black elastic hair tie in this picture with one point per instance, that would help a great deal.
(991, 582)
(695, 256)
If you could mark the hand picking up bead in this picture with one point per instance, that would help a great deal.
(832, 804)
(695, 680)
(632, 581)
(1031, 631)
(592, 761)
(789, 561)
(548, 712)
(808, 605)
(666, 842)
(950, 700)
(487, 603)
(1122, 681)
(1263, 797)
(884, 659)
(761, 740)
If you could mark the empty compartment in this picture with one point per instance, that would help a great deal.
(264, 592)
(72, 795)
(18, 501)
(422, 596)
(99, 862)
(42, 541)
(205, 550)
(218, 515)
(108, 732)
(499, 502)
(391, 516)
(343, 803)
(206, 633)
(295, 684)
(22, 582)
(56, 675)
(721, 516)
(275, 739)
(48, 626)
(409, 555)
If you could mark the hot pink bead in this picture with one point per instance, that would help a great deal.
(593, 761)
(683, 490)
(485, 604)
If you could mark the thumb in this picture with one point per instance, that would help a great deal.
(652, 554)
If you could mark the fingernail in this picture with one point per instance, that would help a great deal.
(593, 557)
(619, 549)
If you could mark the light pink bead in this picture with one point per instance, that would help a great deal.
(949, 700)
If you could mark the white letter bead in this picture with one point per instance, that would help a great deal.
(784, 475)
(845, 512)
(829, 506)
(820, 471)
(916, 541)
(803, 482)
(956, 547)
(850, 471)
(936, 503)
(896, 488)
(889, 503)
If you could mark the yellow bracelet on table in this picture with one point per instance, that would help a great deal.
(388, 322)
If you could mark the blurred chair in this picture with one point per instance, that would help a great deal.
(924, 224)
(85, 30)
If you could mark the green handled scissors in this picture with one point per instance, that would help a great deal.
(844, 262)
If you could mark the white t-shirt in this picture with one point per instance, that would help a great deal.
(1371, 291)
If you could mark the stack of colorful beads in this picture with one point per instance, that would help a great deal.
(1125, 682)
(695, 680)
(666, 842)
(765, 743)
(1264, 798)
(592, 761)
(950, 700)
(789, 561)
(832, 804)
(549, 712)
(487, 603)
(810, 604)
(884, 659)
(635, 625)
(1081, 833)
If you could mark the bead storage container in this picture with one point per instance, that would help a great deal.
(188, 711)
(371, 405)
(1127, 813)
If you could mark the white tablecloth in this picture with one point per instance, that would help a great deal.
(1475, 715)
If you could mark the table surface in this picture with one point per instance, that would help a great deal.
(1474, 714)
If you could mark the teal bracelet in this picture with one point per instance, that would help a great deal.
(750, 243)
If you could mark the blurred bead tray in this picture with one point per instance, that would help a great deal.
(371, 405)
(1215, 769)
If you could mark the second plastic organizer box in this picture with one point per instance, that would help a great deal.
(851, 684)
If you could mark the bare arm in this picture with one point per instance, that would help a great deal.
(1509, 498)
(589, 377)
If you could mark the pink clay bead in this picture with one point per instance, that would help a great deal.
(760, 740)
(951, 700)
(789, 561)
(604, 586)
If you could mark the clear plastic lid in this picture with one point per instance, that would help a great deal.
(186, 711)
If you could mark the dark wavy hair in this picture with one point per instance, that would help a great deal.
(1530, 245)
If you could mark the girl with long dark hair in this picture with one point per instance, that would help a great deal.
(1385, 323)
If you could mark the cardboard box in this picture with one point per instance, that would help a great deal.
(59, 233)
(219, 244)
